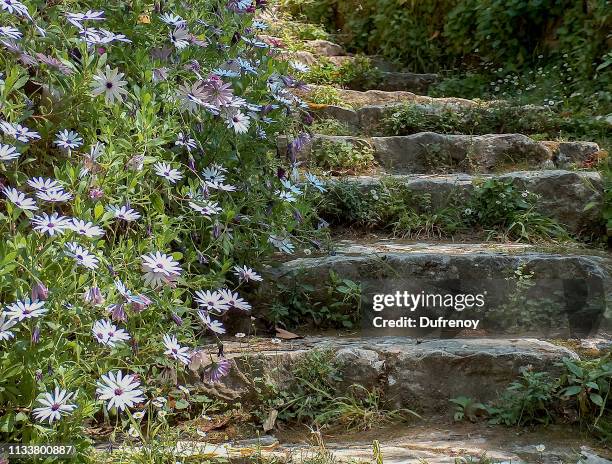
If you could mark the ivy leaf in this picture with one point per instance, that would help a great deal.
(573, 390)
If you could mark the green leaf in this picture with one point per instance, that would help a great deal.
(98, 211)
(571, 391)
(597, 399)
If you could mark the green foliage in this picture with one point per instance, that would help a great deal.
(588, 384)
(297, 303)
(330, 127)
(362, 410)
(583, 388)
(357, 73)
(466, 408)
(325, 95)
(494, 205)
(498, 205)
(496, 118)
(442, 33)
(313, 379)
(47, 84)
(343, 156)
(309, 395)
(525, 401)
(527, 307)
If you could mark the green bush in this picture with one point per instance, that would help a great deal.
(138, 181)
(514, 35)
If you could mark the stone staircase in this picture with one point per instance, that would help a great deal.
(423, 372)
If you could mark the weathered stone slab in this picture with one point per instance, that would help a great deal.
(406, 81)
(564, 194)
(325, 48)
(358, 99)
(568, 297)
(430, 152)
(421, 376)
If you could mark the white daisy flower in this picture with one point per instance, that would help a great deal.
(238, 121)
(247, 274)
(284, 195)
(54, 196)
(86, 229)
(121, 391)
(165, 170)
(160, 269)
(14, 7)
(26, 309)
(6, 323)
(206, 208)
(176, 351)
(124, 213)
(51, 225)
(8, 152)
(183, 140)
(68, 140)
(299, 67)
(82, 256)
(213, 325)
(173, 20)
(315, 182)
(18, 132)
(233, 300)
(110, 84)
(106, 333)
(281, 243)
(19, 199)
(89, 15)
(10, 32)
(54, 406)
(41, 184)
(211, 301)
(214, 174)
(108, 37)
(180, 37)
(220, 186)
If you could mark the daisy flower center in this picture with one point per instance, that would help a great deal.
(118, 392)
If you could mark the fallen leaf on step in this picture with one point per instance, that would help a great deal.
(270, 420)
(285, 334)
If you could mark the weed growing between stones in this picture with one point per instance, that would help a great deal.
(544, 123)
(343, 157)
(358, 73)
(330, 127)
(325, 95)
(579, 395)
(296, 304)
(495, 206)
(309, 396)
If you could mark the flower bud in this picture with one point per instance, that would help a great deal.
(39, 292)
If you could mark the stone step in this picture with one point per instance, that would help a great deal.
(422, 375)
(429, 443)
(572, 198)
(449, 443)
(357, 99)
(429, 152)
(390, 80)
(565, 296)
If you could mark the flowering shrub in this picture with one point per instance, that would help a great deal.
(139, 183)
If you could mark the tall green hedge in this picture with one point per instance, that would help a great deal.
(429, 35)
